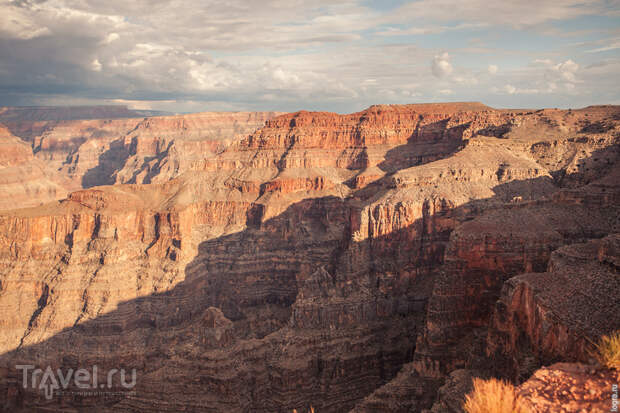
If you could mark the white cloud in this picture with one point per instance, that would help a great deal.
(430, 29)
(492, 69)
(612, 45)
(96, 65)
(544, 61)
(17, 23)
(513, 13)
(567, 70)
(284, 78)
(563, 73)
(510, 89)
(466, 79)
(441, 65)
(544, 78)
(446, 92)
(112, 37)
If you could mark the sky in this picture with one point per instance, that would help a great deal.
(288, 55)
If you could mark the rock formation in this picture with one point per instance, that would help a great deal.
(76, 154)
(23, 178)
(551, 316)
(348, 262)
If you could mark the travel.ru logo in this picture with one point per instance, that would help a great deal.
(50, 381)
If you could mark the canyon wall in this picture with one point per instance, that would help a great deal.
(82, 153)
(23, 178)
(339, 261)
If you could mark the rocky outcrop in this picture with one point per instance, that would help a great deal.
(451, 396)
(574, 387)
(407, 392)
(339, 261)
(558, 314)
(569, 387)
(485, 252)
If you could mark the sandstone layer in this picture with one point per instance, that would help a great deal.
(339, 261)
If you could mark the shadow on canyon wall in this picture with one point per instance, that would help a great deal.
(109, 162)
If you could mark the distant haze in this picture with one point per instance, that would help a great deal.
(190, 55)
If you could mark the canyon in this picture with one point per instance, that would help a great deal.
(264, 262)
(73, 148)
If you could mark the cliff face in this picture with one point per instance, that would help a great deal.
(23, 180)
(485, 252)
(76, 154)
(550, 316)
(311, 262)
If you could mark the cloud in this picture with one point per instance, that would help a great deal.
(289, 55)
(441, 65)
(514, 13)
(15, 22)
(545, 77)
(96, 65)
(564, 72)
(567, 70)
(430, 29)
(112, 37)
(510, 89)
(615, 44)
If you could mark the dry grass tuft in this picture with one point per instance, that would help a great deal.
(608, 350)
(494, 396)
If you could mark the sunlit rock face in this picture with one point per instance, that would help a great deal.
(339, 261)
(68, 153)
(23, 180)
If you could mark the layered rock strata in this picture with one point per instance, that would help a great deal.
(308, 263)
(23, 179)
(76, 154)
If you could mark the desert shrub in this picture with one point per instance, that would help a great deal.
(494, 396)
(607, 350)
